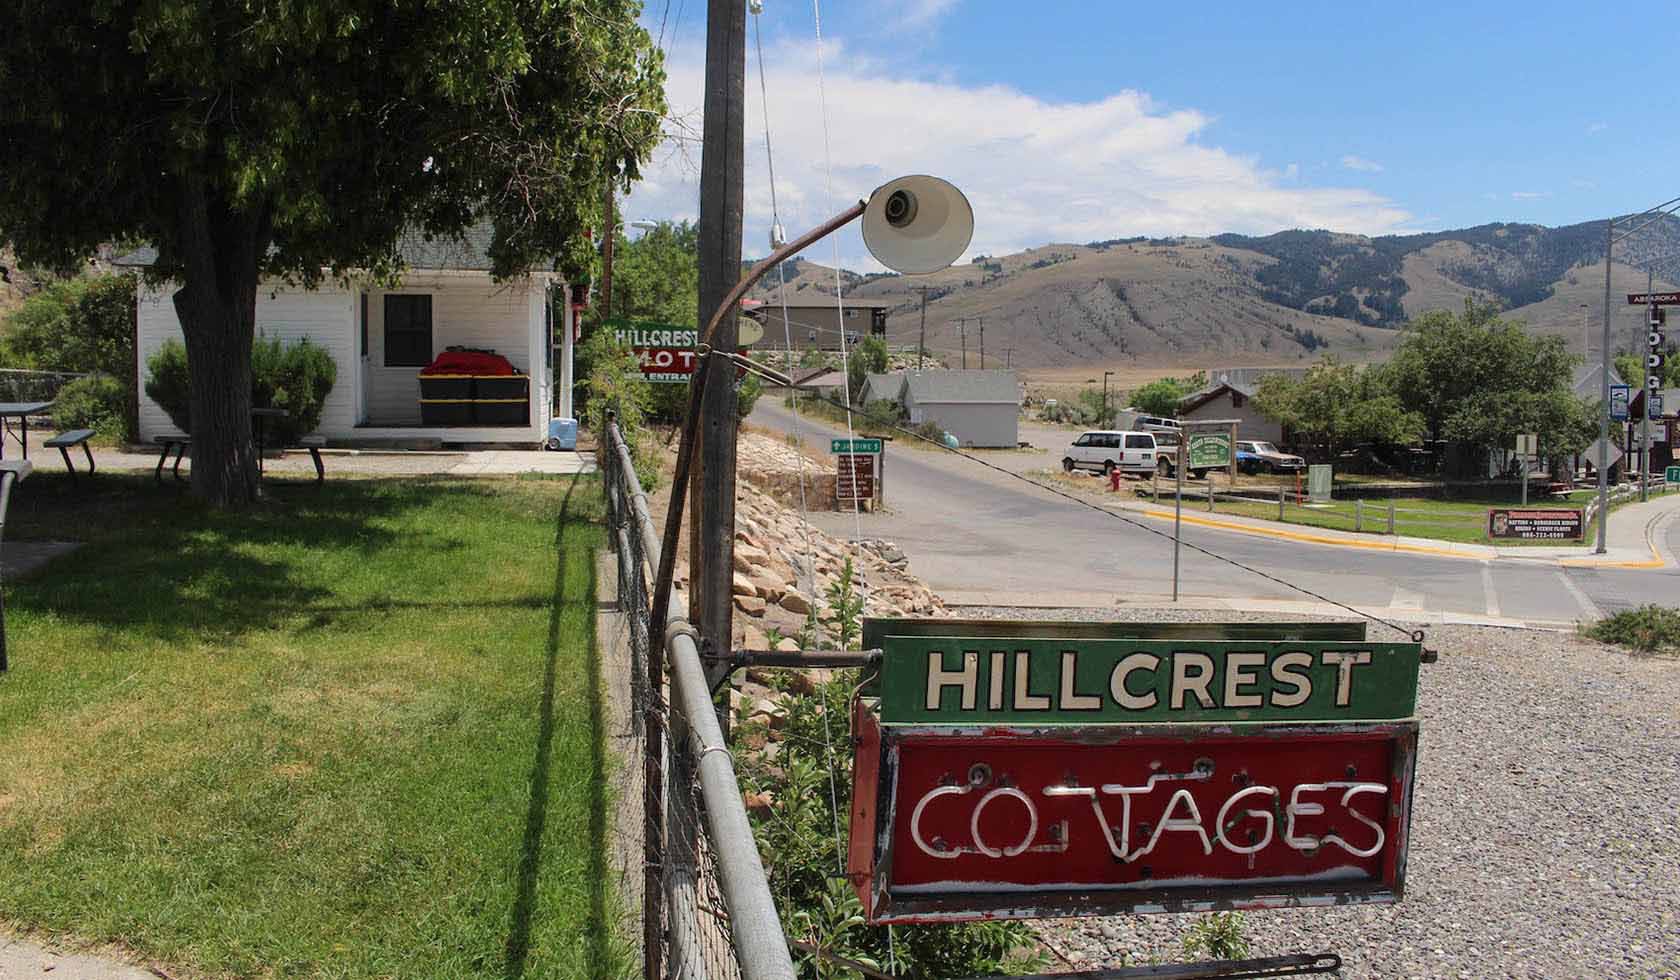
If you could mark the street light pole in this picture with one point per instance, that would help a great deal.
(1604, 396)
(1645, 415)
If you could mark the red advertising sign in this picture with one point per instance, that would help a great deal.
(953, 824)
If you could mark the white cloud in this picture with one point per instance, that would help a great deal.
(1597, 127)
(1036, 171)
(921, 13)
(1361, 164)
(1529, 195)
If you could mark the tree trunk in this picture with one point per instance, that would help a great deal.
(221, 252)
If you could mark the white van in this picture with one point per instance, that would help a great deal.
(1128, 450)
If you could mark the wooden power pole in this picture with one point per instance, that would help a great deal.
(711, 507)
(921, 338)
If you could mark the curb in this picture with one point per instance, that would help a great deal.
(1656, 560)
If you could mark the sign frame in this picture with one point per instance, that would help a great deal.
(876, 807)
(1220, 457)
(1498, 532)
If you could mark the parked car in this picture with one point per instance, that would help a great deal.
(1263, 457)
(1149, 423)
(1106, 450)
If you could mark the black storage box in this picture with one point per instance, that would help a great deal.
(454, 411)
(439, 387)
(503, 387)
(510, 411)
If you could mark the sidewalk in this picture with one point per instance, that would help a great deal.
(21, 959)
(1635, 538)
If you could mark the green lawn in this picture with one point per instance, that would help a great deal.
(352, 733)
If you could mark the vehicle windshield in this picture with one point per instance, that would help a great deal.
(1264, 447)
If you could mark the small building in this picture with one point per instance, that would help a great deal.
(882, 387)
(979, 408)
(1230, 400)
(381, 338)
(819, 325)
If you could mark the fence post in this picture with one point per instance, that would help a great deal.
(1155, 485)
(1358, 514)
(1280, 503)
(1391, 515)
(1210, 491)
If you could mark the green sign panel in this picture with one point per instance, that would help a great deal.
(1672, 474)
(953, 680)
(1209, 450)
(854, 445)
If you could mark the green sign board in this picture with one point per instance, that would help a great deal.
(1672, 474)
(854, 445)
(1209, 450)
(973, 680)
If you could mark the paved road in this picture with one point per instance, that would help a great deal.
(970, 531)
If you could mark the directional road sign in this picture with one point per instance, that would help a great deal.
(854, 445)
(1672, 474)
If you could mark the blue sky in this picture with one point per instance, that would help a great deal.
(1071, 121)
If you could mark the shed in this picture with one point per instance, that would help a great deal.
(882, 387)
(1230, 400)
(980, 408)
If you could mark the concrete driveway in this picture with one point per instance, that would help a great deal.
(980, 536)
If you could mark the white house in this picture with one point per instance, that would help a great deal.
(382, 338)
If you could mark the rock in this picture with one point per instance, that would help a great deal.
(795, 603)
(743, 585)
(752, 553)
(753, 638)
(769, 587)
(788, 645)
(751, 605)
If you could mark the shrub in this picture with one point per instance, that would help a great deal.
(1648, 629)
(82, 325)
(168, 383)
(296, 377)
(98, 402)
(1218, 936)
(614, 383)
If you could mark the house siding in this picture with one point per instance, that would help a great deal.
(467, 310)
(1251, 424)
(974, 424)
(326, 317)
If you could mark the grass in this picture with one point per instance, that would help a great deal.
(1649, 629)
(1463, 521)
(351, 733)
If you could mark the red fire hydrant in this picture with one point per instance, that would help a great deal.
(1114, 479)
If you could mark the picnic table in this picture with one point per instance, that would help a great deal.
(12, 471)
(20, 411)
(259, 416)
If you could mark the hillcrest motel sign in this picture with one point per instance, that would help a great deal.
(1021, 770)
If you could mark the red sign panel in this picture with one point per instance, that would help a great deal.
(968, 824)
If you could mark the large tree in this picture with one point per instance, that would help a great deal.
(301, 140)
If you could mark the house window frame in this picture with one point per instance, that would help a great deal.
(412, 301)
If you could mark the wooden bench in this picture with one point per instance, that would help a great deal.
(178, 443)
(63, 443)
(314, 444)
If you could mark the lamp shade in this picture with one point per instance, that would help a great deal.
(917, 224)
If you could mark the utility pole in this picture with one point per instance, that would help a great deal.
(1104, 419)
(1008, 358)
(711, 531)
(1604, 402)
(921, 336)
(1651, 313)
(962, 323)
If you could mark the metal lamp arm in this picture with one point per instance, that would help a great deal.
(691, 420)
(776, 258)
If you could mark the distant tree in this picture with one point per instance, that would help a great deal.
(655, 276)
(1338, 405)
(83, 325)
(301, 140)
(1480, 380)
(870, 356)
(1159, 397)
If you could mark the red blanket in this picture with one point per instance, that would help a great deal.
(474, 362)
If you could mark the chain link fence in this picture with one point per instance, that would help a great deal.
(706, 907)
(19, 385)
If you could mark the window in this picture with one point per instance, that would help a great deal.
(408, 331)
(1111, 441)
(1084, 440)
(1237, 399)
(1140, 442)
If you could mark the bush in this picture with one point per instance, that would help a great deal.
(168, 383)
(296, 377)
(98, 402)
(1648, 629)
(81, 325)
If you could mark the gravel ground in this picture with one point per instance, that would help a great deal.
(1546, 829)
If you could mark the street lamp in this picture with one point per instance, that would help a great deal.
(913, 225)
